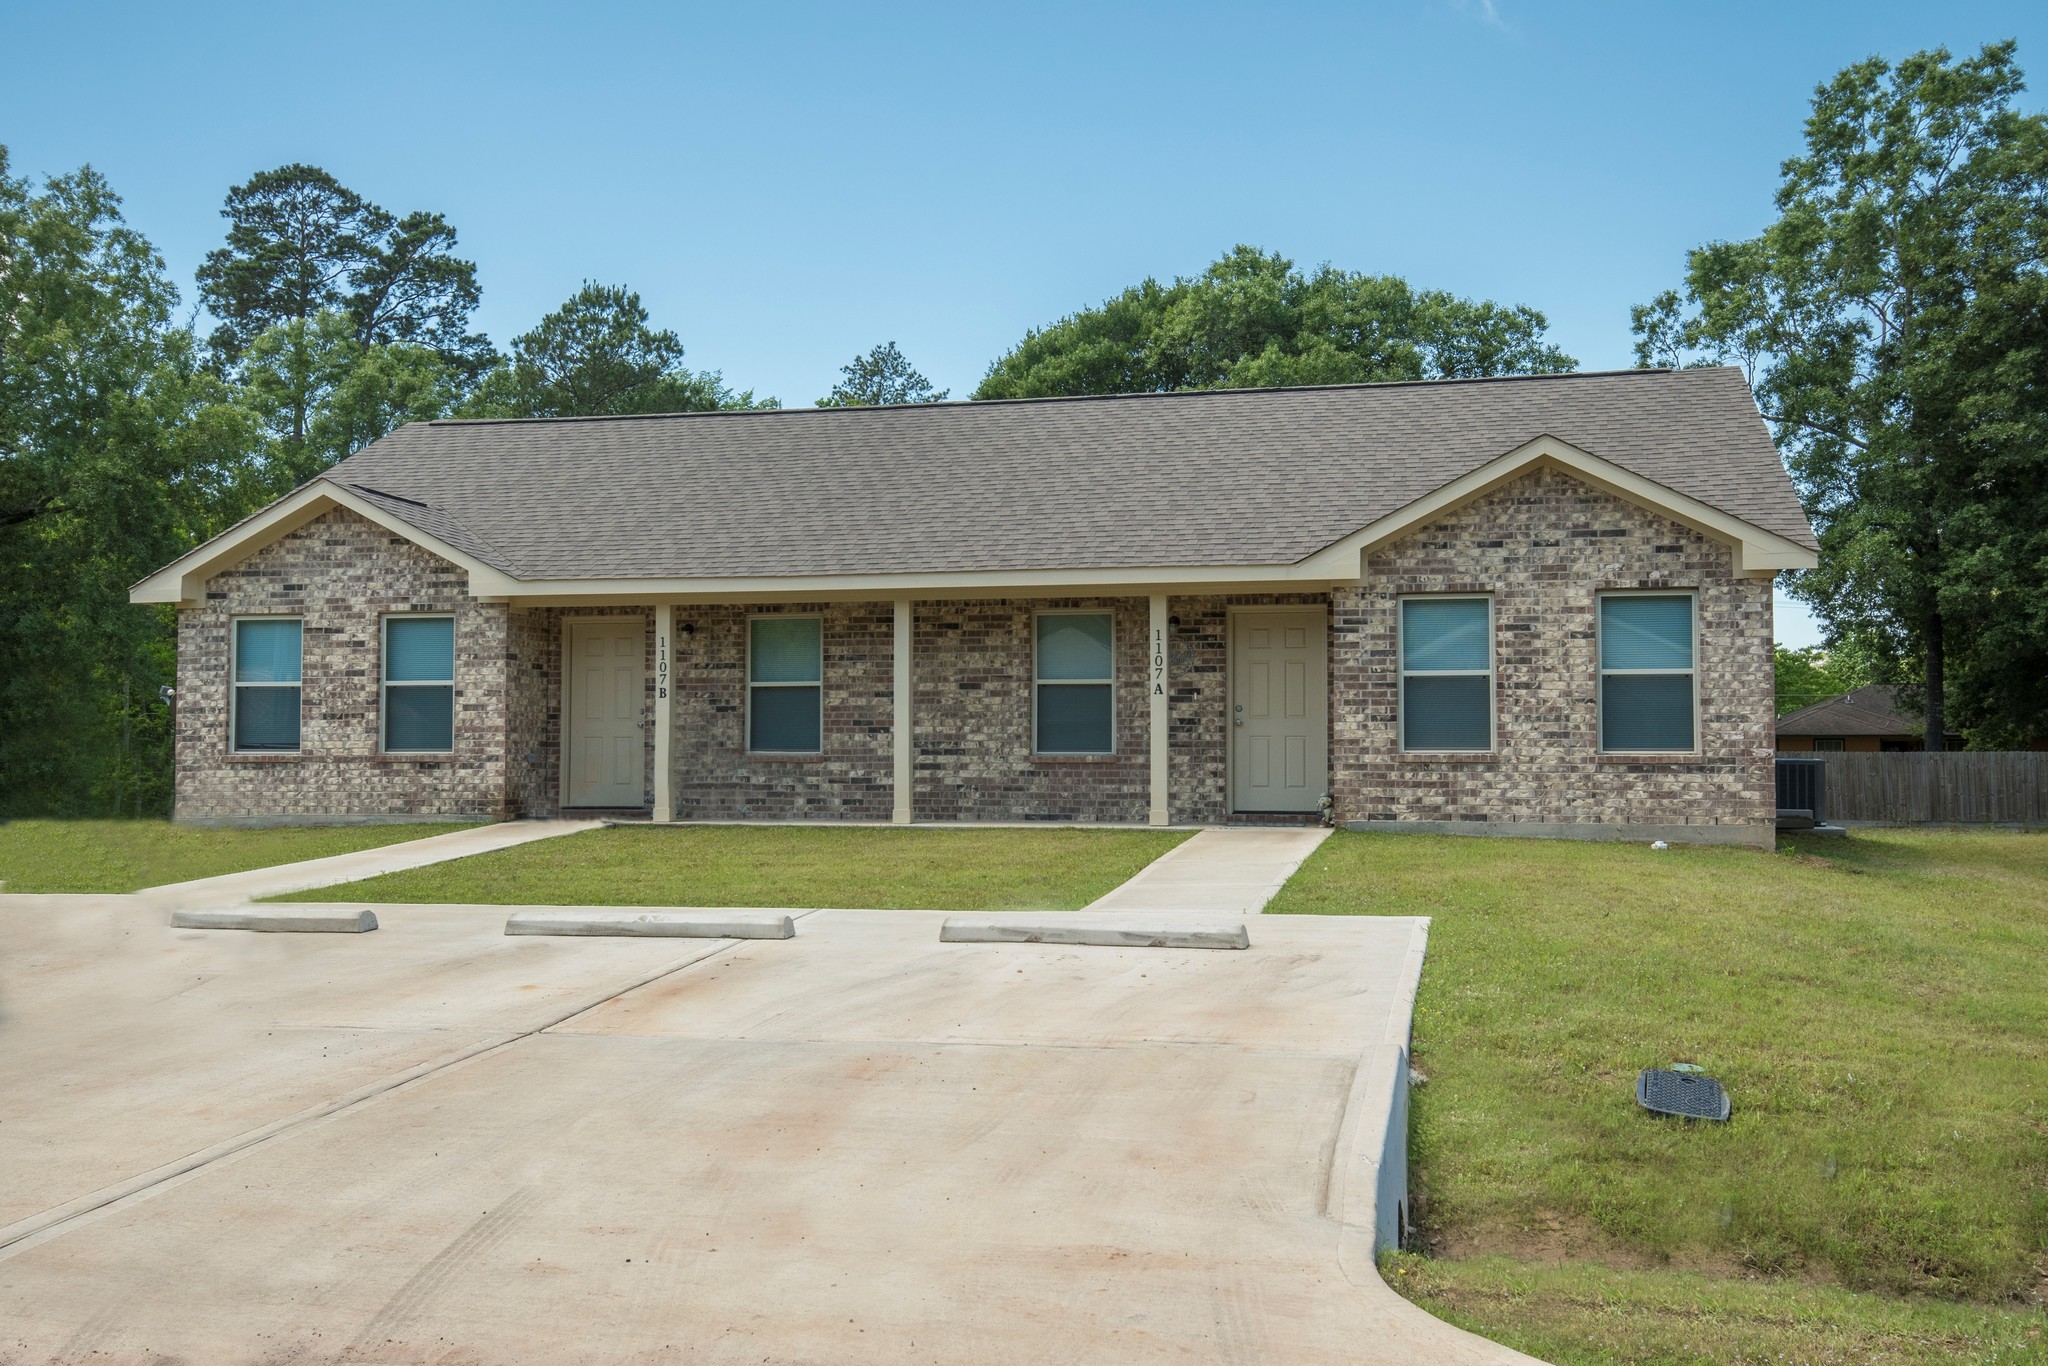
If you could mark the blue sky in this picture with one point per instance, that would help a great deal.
(787, 185)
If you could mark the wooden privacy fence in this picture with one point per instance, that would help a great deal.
(1960, 787)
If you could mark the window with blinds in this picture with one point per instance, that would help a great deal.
(1073, 683)
(264, 707)
(419, 684)
(1447, 673)
(785, 685)
(1647, 678)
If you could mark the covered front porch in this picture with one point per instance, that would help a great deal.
(1088, 708)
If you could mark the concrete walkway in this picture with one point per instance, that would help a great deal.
(1231, 871)
(232, 889)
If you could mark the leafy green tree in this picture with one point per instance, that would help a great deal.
(295, 236)
(883, 375)
(300, 243)
(412, 290)
(1891, 322)
(1815, 674)
(596, 356)
(1252, 320)
(319, 394)
(118, 450)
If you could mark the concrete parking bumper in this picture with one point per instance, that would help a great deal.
(280, 919)
(1105, 931)
(636, 923)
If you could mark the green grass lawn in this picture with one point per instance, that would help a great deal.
(732, 865)
(1587, 1312)
(122, 856)
(1876, 1005)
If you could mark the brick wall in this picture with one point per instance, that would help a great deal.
(716, 779)
(1544, 546)
(341, 574)
(973, 760)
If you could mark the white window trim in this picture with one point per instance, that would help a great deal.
(1401, 672)
(385, 683)
(235, 685)
(1037, 682)
(1600, 672)
(747, 712)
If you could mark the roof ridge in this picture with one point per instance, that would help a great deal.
(1079, 398)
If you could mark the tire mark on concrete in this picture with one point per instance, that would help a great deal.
(411, 1300)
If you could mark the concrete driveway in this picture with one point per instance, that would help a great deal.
(434, 1143)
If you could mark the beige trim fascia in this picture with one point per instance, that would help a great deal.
(183, 581)
(995, 583)
(1757, 551)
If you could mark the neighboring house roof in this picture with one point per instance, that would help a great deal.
(1868, 710)
(1216, 478)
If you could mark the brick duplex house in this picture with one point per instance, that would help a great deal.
(1531, 606)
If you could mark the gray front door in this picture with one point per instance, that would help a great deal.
(1279, 710)
(603, 714)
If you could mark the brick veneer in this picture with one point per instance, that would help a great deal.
(971, 672)
(341, 574)
(1544, 546)
(716, 779)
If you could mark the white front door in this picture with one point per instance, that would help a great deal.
(606, 683)
(1279, 711)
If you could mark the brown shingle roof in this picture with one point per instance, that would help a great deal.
(1868, 710)
(1224, 478)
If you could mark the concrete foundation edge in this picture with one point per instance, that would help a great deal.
(339, 818)
(1759, 835)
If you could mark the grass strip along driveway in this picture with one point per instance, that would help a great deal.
(736, 865)
(128, 855)
(1875, 1006)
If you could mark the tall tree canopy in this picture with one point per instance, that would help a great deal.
(1894, 324)
(883, 375)
(597, 356)
(316, 283)
(1251, 320)
(117, 451)
(301, 243)
(317, 394)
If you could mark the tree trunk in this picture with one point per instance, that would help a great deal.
(1937, 718)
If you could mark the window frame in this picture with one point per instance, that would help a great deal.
(1600, 670)
(747, 681)
(235, 685)
(385, 682)
(1401, 672)
(1037, 682)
